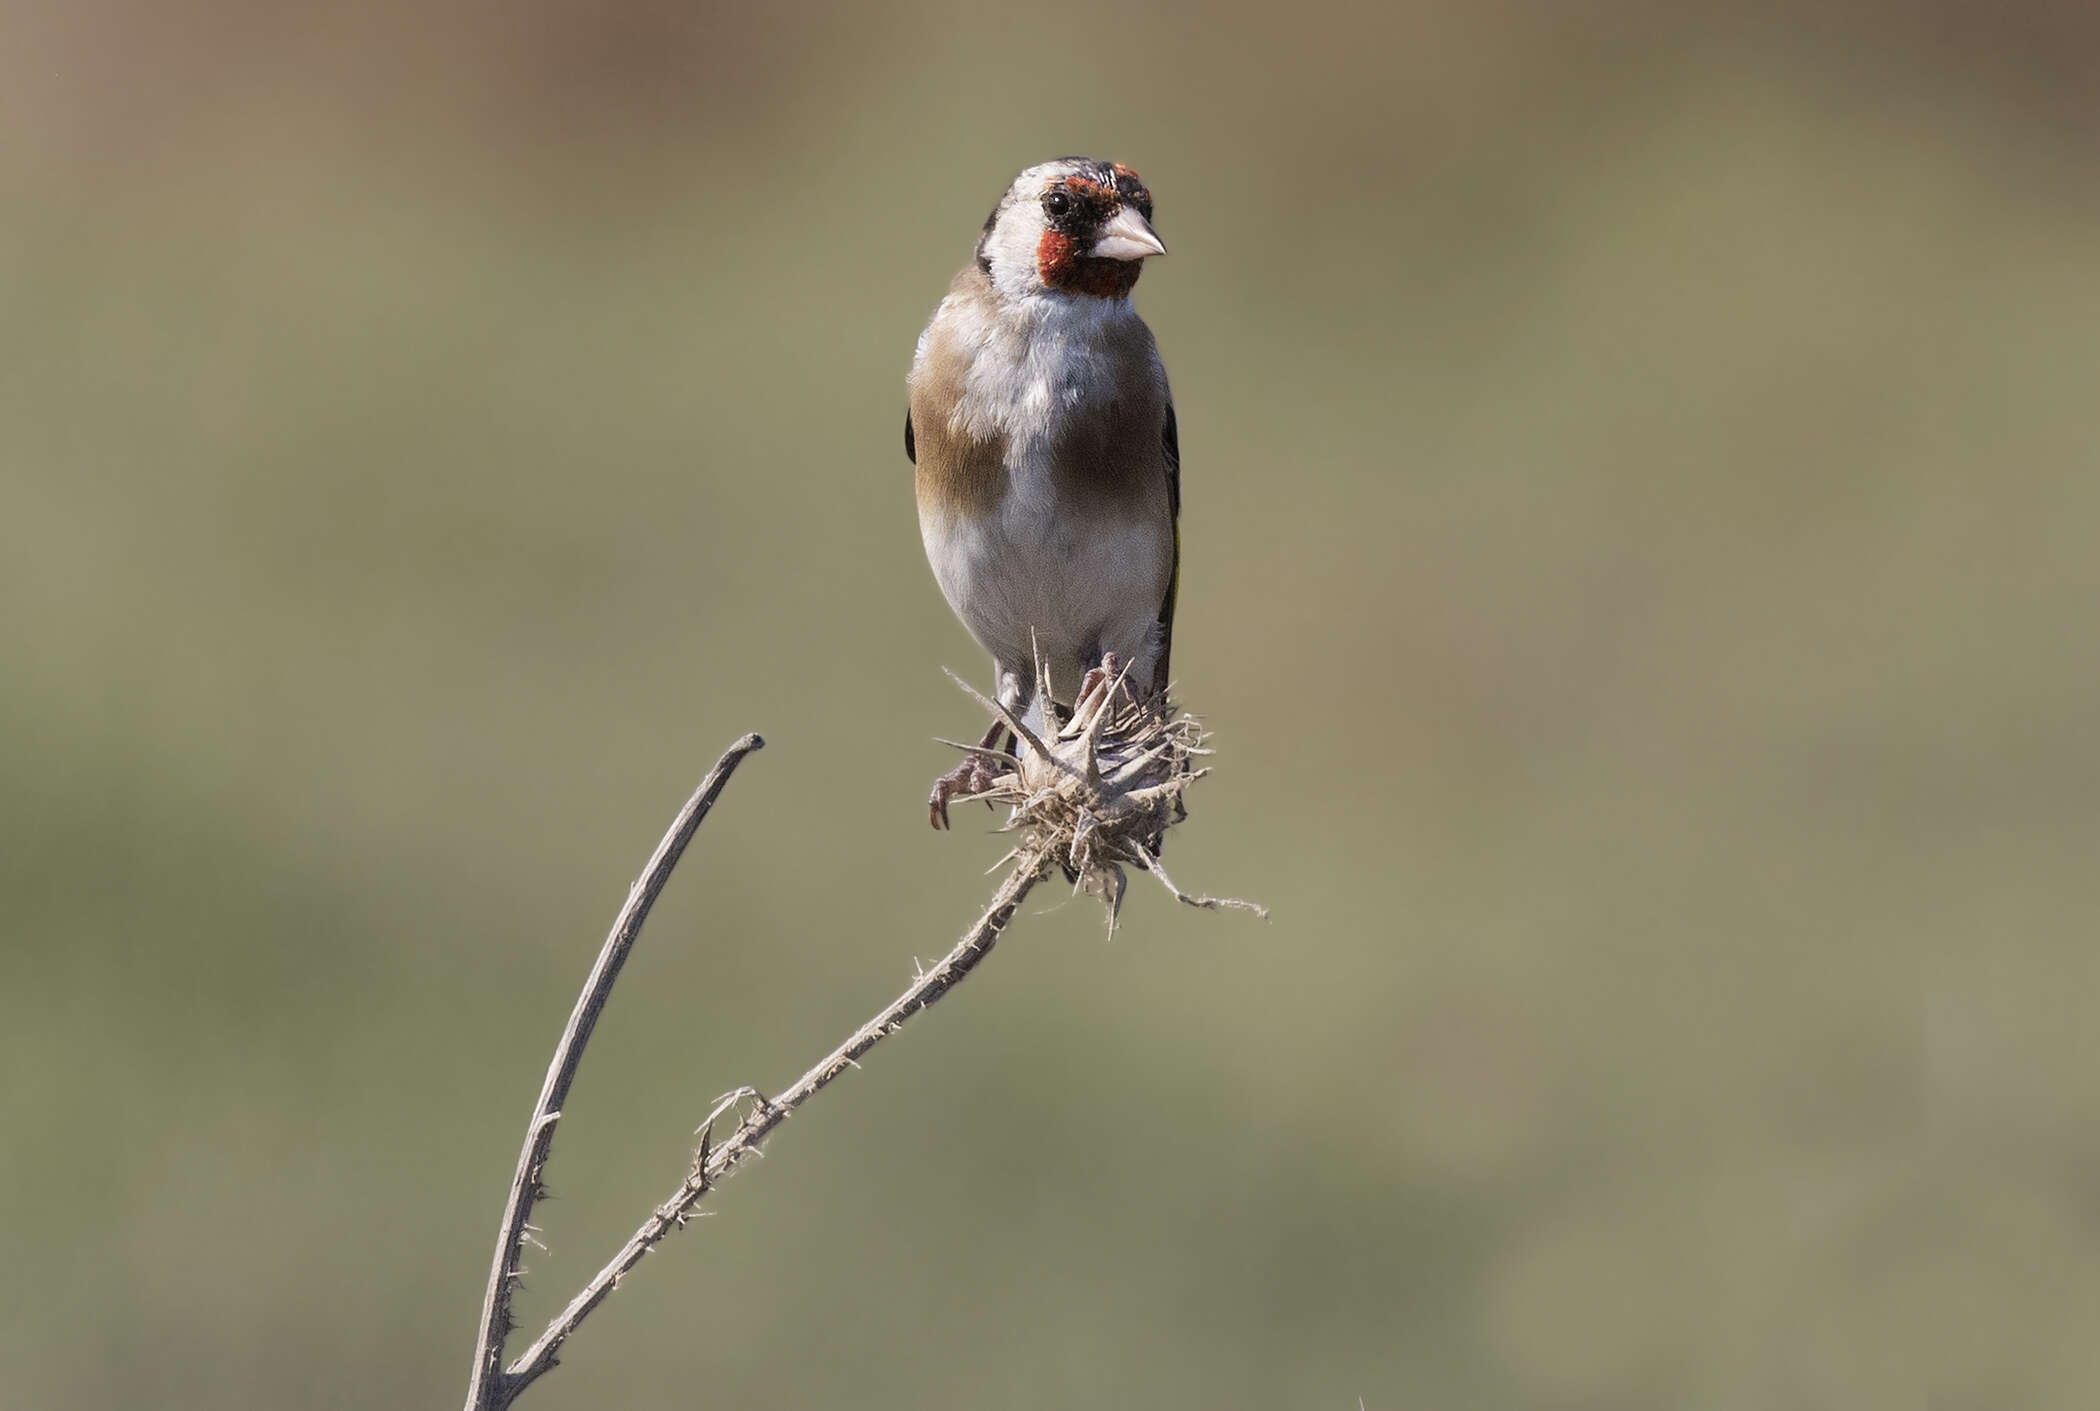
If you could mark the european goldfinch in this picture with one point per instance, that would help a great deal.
(1048, 465)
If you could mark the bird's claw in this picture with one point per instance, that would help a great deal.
(972, 776)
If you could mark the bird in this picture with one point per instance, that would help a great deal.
(1047, 459)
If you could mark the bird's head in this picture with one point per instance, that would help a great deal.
(1073, 226)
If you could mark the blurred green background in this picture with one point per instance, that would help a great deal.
(1640, 569)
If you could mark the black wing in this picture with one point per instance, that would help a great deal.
(1170, 442)
(911, 447)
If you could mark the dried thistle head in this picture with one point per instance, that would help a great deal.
(1100, 794)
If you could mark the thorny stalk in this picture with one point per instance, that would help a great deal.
(1097, 794)
(712, 1162)
(492, 1388)
(494, 1385)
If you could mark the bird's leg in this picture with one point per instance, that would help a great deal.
(1098, 681)
(973, 776)
(976, 774)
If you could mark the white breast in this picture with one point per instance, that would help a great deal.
(1028, 583)
(1031, 363)
(1032, 579)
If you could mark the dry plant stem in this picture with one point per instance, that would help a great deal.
(1099, 794)
(492, 1388)
(712, 1162)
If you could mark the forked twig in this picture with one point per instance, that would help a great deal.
(491, 1387)
(1101, 792)
(494, 1386)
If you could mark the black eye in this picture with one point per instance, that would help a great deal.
(1057, 203)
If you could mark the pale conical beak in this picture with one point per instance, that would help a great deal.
(1128, 237)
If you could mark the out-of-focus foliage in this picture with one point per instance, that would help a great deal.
(1640, 570)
